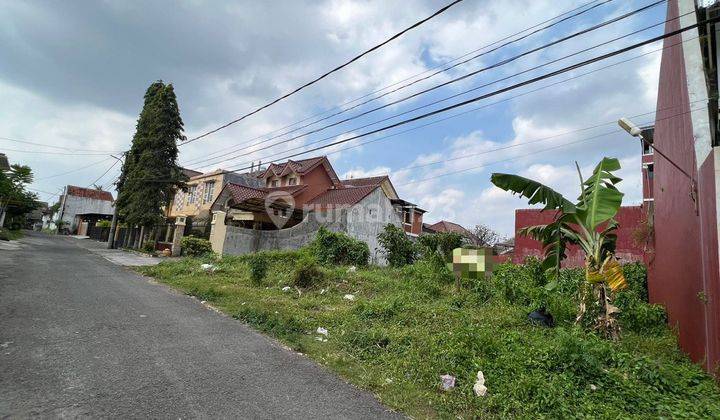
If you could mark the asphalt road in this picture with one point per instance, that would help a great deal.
(82, 337)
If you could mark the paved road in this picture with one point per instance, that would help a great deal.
(82, 337)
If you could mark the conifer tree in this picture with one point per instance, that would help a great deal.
(150, 173)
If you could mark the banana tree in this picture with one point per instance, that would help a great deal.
(590, 224)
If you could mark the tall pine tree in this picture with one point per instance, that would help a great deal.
(150, 174)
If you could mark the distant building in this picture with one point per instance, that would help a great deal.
(446, 226)
(81, 207)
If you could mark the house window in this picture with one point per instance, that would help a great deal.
(274, 183)
(650, 171)
(407, 216)
(209, 190)
(191, 193)
(292, 181)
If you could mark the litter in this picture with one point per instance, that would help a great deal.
(286, 288)
(322, 331)
(448, 382)
(352, 269)
(208, 268)
(479, 387)
(349, 297)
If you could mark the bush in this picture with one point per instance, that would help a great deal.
(103, 223)
(195, 247)
(307, 273)
(148, 246)
(397, 248)
(258, 267)
(339, 249)
(441, 243)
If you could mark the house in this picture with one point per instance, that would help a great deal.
(684, 274)
(446, 226)
(296, 198)
(81, 207)
(34, 219)
(202, 190)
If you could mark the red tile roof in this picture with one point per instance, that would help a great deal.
(240, 193)
(360, 182)
(445, 226)
(89, 193)
(300, 167)
(342, 196)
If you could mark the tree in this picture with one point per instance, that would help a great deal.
(15, 200)
(485, 235)
(588, 223)
(150, 174)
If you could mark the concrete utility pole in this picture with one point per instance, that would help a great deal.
(113, 224)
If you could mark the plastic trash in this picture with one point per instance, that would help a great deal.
(349, 297)
(352, 269)
(286, 288)
(322, 331)
(208, 268)
(479, 388)
(448, 382)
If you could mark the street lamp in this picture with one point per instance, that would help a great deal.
(636, 131)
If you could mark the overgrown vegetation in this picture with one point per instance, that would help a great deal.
(195, 247)
(338, 248)
(10, 235)
(407, 326)
(590, 224)
(396, 247)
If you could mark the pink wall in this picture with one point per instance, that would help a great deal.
(685, 266)
(628, 218)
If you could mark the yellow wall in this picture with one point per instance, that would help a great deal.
(181, 205)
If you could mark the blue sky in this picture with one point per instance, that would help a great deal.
(73, 75)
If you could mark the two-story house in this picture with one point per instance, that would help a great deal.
(297, 197)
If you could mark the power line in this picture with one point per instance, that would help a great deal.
(324, 75)
(428, 71)
(54, 147)
(104, 173)
(495, 65)
(512, 87)
(74, 170)
(53, 153)
(502, 90)
(515, 97)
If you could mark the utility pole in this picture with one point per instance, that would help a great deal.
(113, 224)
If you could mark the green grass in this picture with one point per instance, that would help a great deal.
(406, 327)
(10, 235)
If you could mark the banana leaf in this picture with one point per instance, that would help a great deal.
(613, 274)
(600, 200)
(534, 191)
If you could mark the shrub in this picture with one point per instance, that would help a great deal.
(339, 249)
(441, 243)
(195, 247)
(258, 267)
(397, 248)
(148, 246)
(103, 223)
(307, 273)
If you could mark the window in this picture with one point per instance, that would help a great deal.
(292, 181)
(650, 171)
(407, 216)
(192, 189)
(274, 183)
(209, 190)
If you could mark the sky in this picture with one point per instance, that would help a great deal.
(73, 75)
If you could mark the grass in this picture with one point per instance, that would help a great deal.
(10, 235)
(408, 326)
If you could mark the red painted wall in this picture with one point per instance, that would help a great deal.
(628, 218)
(685, 266)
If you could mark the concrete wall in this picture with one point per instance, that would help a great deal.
(627, 250)
(684, 274)
(74, 205)
(239, 241)
(363, 221)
